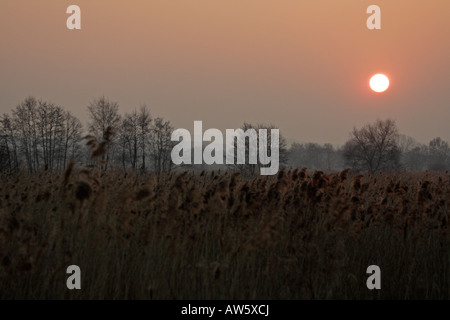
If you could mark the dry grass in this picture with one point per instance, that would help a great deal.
(298, 235)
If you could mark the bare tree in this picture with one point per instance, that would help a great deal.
(129, 139)
(39, 135)
(25, 122)
(134, 138)
(161, 145)
(72, 138)
(9, 155)
(373, 147)
(144, 121)
(50, 126)
(104, 114)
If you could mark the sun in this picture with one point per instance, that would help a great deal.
(379, 83)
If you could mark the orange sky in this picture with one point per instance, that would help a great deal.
(302, 65)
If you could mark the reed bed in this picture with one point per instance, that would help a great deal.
(218, 235)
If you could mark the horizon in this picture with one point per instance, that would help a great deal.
(289, 140)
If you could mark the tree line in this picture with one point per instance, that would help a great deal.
(39, 135)
(374, 147)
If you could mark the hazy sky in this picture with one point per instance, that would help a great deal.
(301, 65)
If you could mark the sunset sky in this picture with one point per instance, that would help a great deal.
(301, 65)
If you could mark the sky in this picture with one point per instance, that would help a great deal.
(303, 66)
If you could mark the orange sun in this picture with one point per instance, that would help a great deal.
(379, 83)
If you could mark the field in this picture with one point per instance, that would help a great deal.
(218, 235)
